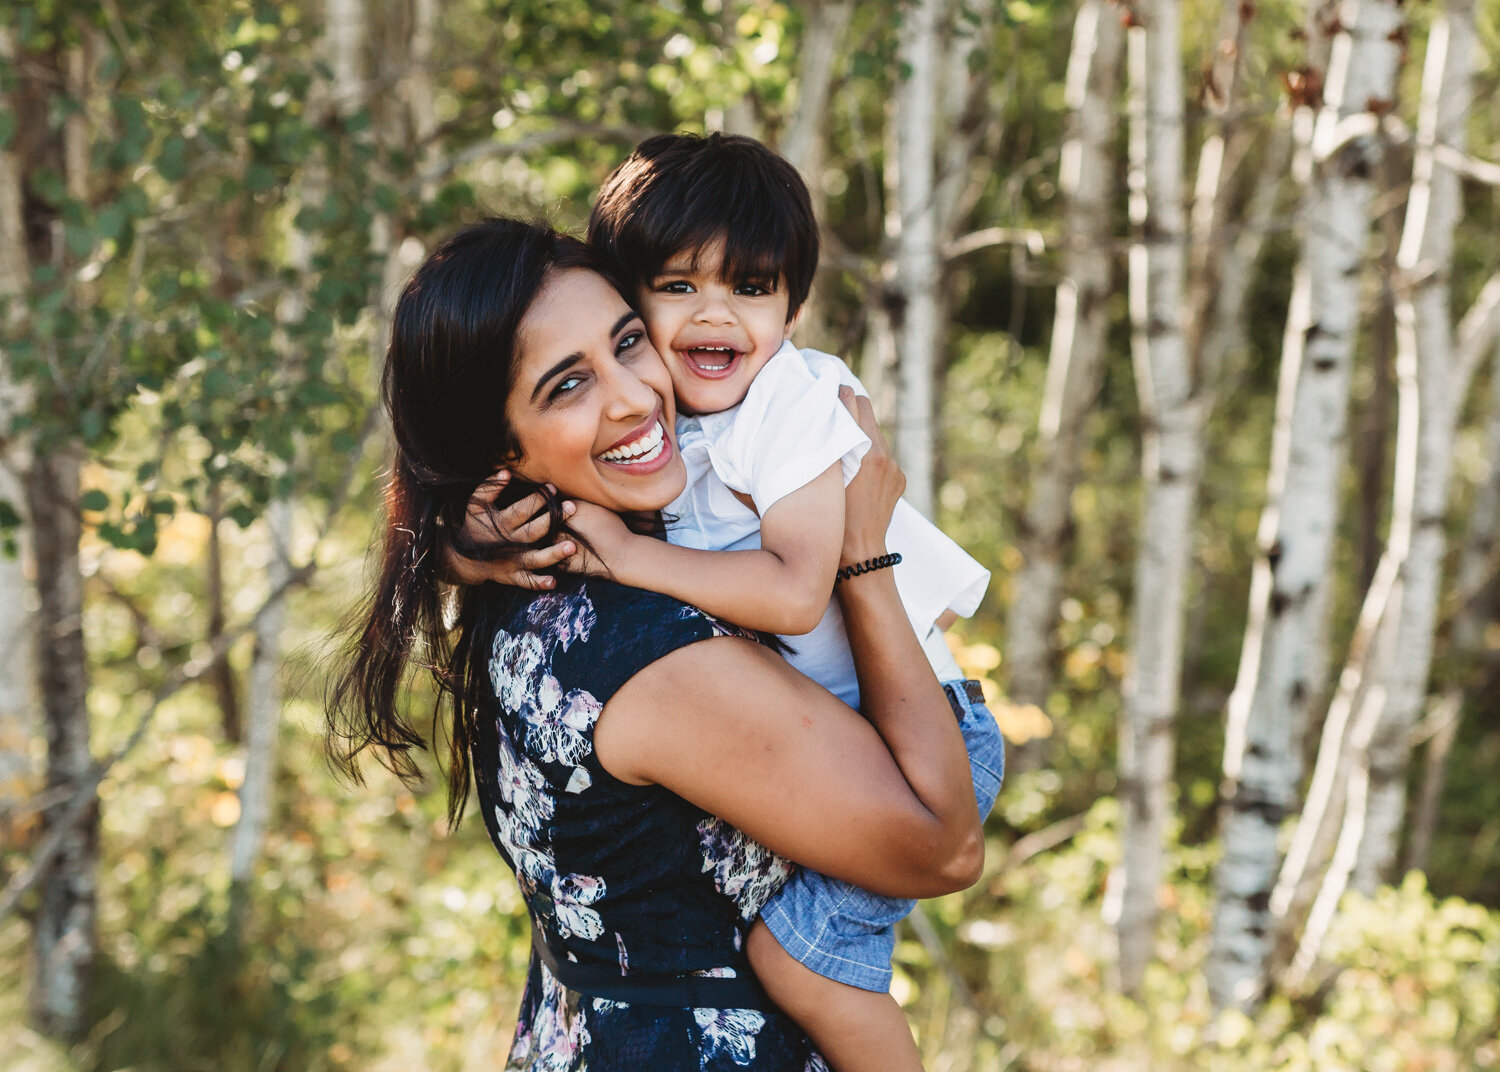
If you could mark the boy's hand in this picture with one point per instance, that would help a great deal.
(871, 496)
(607, 533)
(524, 521)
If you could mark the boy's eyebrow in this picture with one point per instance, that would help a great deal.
(577, 356)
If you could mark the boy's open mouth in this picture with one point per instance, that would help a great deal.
(711, 362)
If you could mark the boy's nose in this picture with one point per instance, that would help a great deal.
(714, 307)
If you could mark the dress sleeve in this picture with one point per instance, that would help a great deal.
(630, 628)
(789, 429)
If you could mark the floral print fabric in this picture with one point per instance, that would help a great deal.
(629, 877)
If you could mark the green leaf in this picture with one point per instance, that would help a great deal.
(94, 500)
(172, 162)
(259, 178)
(111, 221)
(7, 126)
(242, 514)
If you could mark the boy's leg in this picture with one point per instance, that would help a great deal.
(855, 1030)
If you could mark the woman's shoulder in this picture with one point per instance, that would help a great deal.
(595, 633)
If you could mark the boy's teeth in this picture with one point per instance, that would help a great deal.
(644, 449)
(700, 352)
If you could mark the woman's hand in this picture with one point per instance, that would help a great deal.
(871, 496)
(522, 522)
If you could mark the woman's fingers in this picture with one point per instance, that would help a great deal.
(864, 415)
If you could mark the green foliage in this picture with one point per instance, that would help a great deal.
(205, 331)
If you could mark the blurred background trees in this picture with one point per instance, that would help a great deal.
(1184, 317)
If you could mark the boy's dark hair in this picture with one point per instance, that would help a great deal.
(679, 192)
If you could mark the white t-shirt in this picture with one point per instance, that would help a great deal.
(789, 429)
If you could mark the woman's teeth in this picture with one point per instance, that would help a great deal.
(647, 448)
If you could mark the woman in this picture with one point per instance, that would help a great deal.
(645, 770)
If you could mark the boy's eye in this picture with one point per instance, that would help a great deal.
(675, 286)
(754, 290)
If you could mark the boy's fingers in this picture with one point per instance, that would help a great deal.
(504, 524)
(489, 489)
(531, 531)
(544, 557)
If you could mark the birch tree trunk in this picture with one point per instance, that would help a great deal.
(263, 709)
(1283, 662)
(64, 940)
(817, 53)
(1075, 361)
(18, 723)
(1172, 408)
(344, 39)
(1425, 333)
(914, 286)
(804, 140)
(1476, 560)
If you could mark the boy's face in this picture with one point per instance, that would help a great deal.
(715, 336)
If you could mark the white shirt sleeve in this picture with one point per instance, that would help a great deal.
(789, 429)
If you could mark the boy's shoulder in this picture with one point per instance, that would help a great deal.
(794, 368)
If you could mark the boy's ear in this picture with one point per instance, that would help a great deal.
(791, 325)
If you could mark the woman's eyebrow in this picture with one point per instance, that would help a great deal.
(562, 366)
(577, 356)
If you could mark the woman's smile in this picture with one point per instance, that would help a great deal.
(642, 451)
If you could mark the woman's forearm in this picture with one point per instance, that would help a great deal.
(902, 699)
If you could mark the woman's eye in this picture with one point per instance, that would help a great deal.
(630, 341)
(566, 384)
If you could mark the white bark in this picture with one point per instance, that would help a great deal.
(64, 929)
(1075, 361)
(1424, 340)
(1172, 406)
(343, 44)
(1258, 788)
(1476, 560)
(1283, 663)
(263, 709)
(817, 53)
(914, 286)
(64, 939)
(19, 726)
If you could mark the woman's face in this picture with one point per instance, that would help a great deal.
(592, 403)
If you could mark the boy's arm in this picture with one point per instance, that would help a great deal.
(782, 588)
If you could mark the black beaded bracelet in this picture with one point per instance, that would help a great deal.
(869, 565)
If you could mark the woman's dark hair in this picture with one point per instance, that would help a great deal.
(679, 192)
(449, 369)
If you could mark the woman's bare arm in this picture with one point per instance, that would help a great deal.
(884, 801)
(731, 727)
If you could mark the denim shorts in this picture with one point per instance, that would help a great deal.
(848, 934)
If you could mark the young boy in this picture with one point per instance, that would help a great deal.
(716, 238)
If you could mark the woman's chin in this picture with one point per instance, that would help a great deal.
(626, 491)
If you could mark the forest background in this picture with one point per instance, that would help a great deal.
(1183, 316)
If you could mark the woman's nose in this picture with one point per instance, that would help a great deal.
(630, 397)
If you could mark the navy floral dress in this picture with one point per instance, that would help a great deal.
(626, 883)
